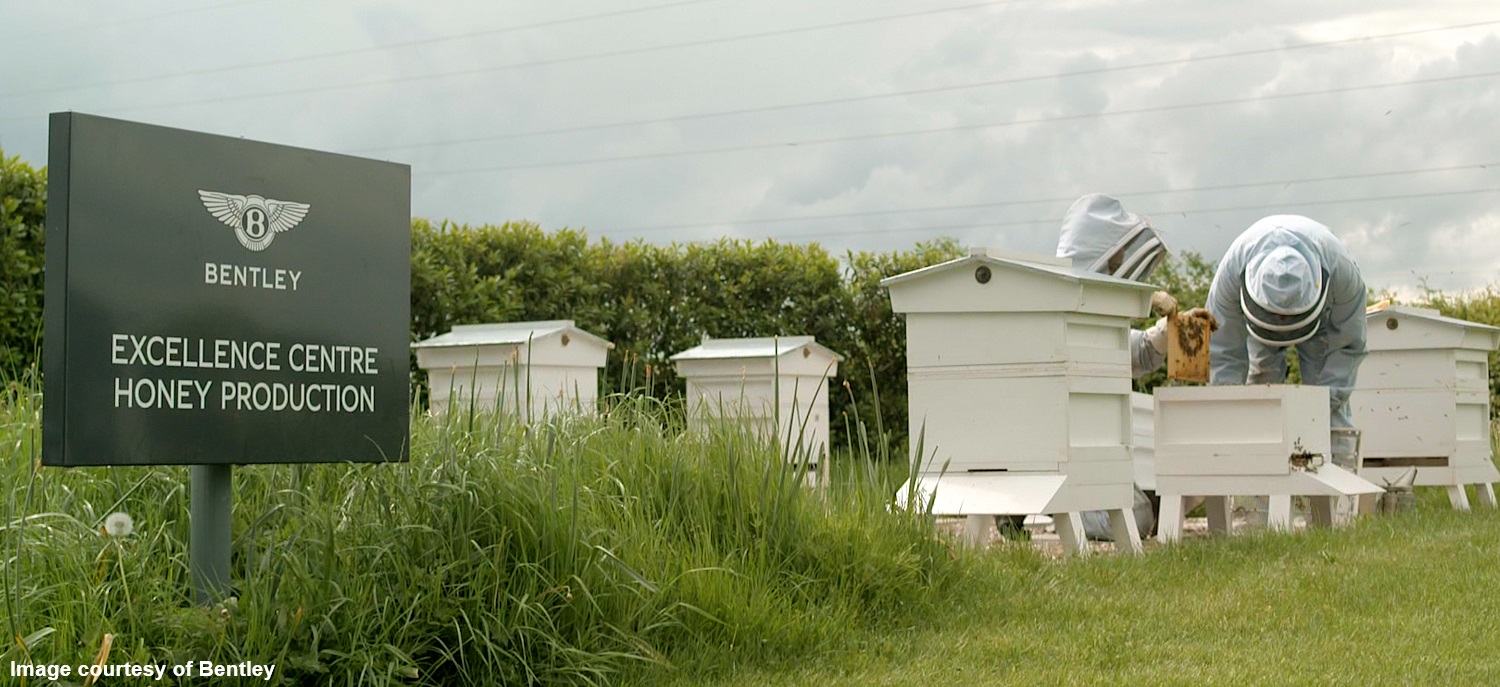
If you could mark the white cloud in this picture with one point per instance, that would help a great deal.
(1445, 238)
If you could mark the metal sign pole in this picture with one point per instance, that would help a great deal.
(209, 519)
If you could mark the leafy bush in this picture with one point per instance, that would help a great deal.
(875, 369)
(23, 218)
(654, 301)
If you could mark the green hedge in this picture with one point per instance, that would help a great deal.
(23, 218)
(653, 301)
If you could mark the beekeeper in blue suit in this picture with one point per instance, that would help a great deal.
(1289, 282)
(1100, 235)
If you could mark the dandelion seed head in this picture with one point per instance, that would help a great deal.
(118, 524)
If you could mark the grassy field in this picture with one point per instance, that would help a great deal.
(585, 551)
(623, 550)
(1394, 600)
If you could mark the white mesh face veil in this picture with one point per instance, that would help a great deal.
(1135, 256)
(1098, 234)
(1283, 295)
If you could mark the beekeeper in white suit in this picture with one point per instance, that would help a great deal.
(1099, 235)
(1289, 282)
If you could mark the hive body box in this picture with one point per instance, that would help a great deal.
(739, 379)
(544, 367)
(1222, 441)
(1422, 401)
(1018, 379)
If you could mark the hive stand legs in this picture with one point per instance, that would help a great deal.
(1127, 534)
(1219, 514)
(977, 529)
(1169, 519)
(1279, 512)
(1486, 493)
(1321, 510)
(1070, 531)
(1458, 497)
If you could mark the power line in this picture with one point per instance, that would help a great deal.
(137, 20)
(351, 51)
(951, 129)
(1043, 201)
(1281, 207)
(917, 91)
(561, 60)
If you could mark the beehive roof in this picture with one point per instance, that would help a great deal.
(1426, 314)
(1040, 264)
(508, 333)
(757, 347)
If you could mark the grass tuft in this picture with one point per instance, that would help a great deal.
(572, 551)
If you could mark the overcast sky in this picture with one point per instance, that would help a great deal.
(859, 125)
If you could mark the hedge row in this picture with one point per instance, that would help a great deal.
(23, 218)
(653, 301)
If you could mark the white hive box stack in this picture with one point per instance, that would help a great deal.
(1018, 379)
(740, 379)
(541, 367)
(1423, 401)
(1258, 440)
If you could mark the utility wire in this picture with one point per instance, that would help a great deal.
(560, 60)
(133, 20)
(950, 129)
(915, 91)
(351, 51)
(1042, 201)
(1279, 207)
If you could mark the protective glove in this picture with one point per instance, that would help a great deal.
(1163, 303)
(1156, 335)
(1201, 314)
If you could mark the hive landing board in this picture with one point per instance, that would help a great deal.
(216, 300)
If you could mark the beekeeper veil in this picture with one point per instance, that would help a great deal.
(1098, 234)
(1284, 290)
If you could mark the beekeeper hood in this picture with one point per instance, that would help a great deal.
(1285, 288)
(1098, 234)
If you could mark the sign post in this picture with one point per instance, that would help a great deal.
(213, 301)
(209, 520)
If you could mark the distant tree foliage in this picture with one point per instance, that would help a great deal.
(653, 301)
(23, 219)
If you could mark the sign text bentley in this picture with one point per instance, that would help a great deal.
(215, 300)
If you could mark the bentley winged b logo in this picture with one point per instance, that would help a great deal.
(255, 220)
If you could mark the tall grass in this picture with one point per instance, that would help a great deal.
(577, 551)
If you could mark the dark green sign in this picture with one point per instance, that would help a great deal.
(214, 300)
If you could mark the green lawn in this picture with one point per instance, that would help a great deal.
(1407, 599)
(620, 550)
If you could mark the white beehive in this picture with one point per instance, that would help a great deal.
(1422, 400)
(773, 384)
(1256, 440)
(541, 367)
(1018, 379)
